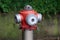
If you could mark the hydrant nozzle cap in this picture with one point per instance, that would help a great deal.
(28, 7)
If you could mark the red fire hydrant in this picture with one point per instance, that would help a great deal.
(28, 18)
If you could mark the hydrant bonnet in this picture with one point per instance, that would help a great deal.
(28, 7)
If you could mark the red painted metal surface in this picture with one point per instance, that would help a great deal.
(24, 14)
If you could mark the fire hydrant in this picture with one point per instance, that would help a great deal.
(28, 19)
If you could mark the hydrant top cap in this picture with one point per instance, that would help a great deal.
(28, 7)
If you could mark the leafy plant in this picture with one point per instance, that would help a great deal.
(42, 6)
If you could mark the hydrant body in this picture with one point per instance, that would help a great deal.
(28, 18)
(24, 24)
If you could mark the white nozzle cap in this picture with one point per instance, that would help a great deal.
(39, 17)
(18, 18)
(31, 19)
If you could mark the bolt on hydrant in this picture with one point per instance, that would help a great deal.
(28, 18)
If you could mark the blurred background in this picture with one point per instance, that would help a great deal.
(49, 27)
